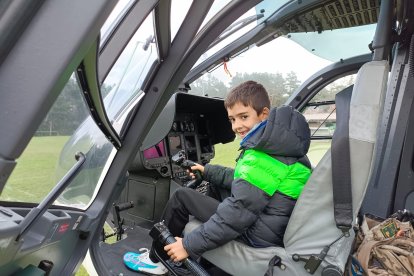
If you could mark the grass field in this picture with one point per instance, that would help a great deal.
(34, 174)
(33, 177)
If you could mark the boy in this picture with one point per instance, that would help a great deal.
(269, 176)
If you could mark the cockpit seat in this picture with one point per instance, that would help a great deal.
(312, 224)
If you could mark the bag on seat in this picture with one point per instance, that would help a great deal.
(387, 247)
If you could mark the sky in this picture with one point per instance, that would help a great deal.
(279, 56)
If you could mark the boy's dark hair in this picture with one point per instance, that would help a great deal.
(249, 93)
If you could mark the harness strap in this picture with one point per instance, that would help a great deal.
(341, 163)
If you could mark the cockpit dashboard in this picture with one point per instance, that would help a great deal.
(190, 123)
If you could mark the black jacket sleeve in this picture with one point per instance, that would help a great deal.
(219, 176)
(233, 216)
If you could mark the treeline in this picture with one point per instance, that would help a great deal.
(278, 86)
(66, 114)
(70, 110)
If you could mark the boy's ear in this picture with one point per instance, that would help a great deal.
(265, 113)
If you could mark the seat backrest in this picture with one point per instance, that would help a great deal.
(312, 224)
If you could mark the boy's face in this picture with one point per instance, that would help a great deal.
(244, 118)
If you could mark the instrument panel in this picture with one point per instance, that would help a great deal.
(189, 123)
(189, 132)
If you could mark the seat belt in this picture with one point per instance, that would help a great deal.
(341, 163)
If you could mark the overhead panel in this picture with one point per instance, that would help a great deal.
(337, 15)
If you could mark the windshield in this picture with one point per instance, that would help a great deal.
(116, 15)
(241, 26)
(283, 63)
(280, 66)
(335, 45)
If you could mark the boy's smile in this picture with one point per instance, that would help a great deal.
(244, 118)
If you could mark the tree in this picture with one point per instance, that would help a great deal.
(292, 82)
(210, 86)
(276, 85)
(67, 113)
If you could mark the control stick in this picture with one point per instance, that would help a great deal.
(180, 159)
(160, 233)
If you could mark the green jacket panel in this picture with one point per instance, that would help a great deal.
(271, 175)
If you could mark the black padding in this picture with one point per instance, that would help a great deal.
(341, 162)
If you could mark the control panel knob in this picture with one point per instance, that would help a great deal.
(164, 170)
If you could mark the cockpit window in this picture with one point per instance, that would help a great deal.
(313, 39)
(124, 81)
(121, 90)
(68, 128)
(215, 8)
(179, 8)
(280, 65)
(35, 176)
(116, 15)
(335, 45)
(241, 26)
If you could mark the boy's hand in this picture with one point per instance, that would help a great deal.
(176, 250)
(197, 167)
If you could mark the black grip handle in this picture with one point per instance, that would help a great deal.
(170, 240)
(124, 206)
(161, 233)
(187, 164)
(193, 266)
(192, 184)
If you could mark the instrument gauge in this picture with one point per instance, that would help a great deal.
(174, 126)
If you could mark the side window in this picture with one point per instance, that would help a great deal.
(179, 9)
(68, 128)
(121, 90)
(320, 112)
(34, 175)
(124, 81)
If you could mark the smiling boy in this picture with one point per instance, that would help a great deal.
(261, 191)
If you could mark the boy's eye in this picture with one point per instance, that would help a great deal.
(231, 120)
(244, 117)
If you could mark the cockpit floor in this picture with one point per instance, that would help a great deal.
(137, 238)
